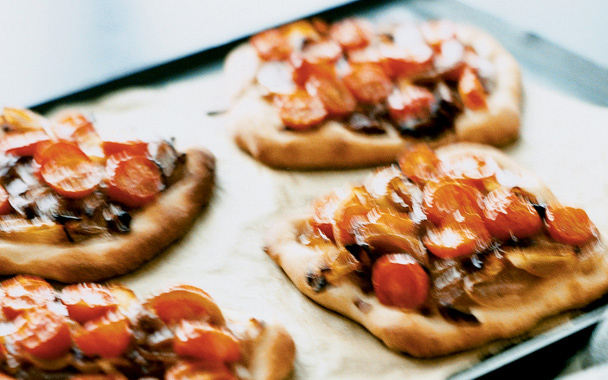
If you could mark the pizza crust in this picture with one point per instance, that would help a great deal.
(153, 228)
(430, 336)
(273, 355)
(257, 128)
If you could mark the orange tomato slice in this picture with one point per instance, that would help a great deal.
(300, 110)
(271, 45)
(108, 336)
(203, 341)
(135, 148)
(334, 94)
(471, 90)
(184, 302)
(409, 102)
(132, 180)
(70, 173)
(85, 302)
(443, 198)
(419, 163)
(22, 293)
(351, 33)
(569, 225)
(43, 334)
(457, 238)
(368, 82)
(400, 281)
(505, 215)
(22, 144)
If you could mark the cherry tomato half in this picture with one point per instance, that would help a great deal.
(456, 238)
(334, 94)
(409, 102)
(132, 180)
(70, 173)
(202, 341)
(135, 148)
(87, 301)
(505, 215)
(22, 144)
(351, 33)
(400, 281)
(368, 82)
(108, 336)
(43, 334)
(183, 302)
(419, 163)
(569, 225)
(300, 110)
(471, 90)
(22, 293)
(271, 45)
(443, 198)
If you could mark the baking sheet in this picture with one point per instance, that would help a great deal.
(562, 140)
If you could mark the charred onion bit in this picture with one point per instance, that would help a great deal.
(350, 66)
(442, 235)
(569, 225)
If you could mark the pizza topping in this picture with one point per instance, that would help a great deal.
(71, 174)
(301, 110)
(443, 235)
(132, 180)
(43, 334)
(350, 66)
(85, 302)
(107, 336)
(185, 303)
(206, 342)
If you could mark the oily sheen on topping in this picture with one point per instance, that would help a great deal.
(445, 251)
(311, 94)
(85, 207)
(91, 330)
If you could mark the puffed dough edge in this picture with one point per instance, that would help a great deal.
(153, 228)
(257, 128)
(274, 354)
(431, 336)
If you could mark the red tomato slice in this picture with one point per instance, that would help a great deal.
(409, 102)
(419, 163)
(203, 341)
(400, 281)
(87, 301)
(22, 293)
(443, 198)
(300, 110)
(323, 214)
(43, 334)
(107, 336)
(334, 94)
(49, 149)
(184, 302)
(368, 82)
(471, 90)
(271, 45)
(70, 173)
(134, 148)
(458, 236)
(5, 205)
(505, 215)
(352, 33)
(436, 32)
(569, 225)
(186, 370)
(22, 144)
(402, 62)
(473, 170)
(133, 180)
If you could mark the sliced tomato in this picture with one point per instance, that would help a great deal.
(569, 225)
(352, 211)
(506, 214)
(471, 90)
(271, 45)
(200, 340)
(49, 149)
(5, 205)
(419, 163)
(184, 302)
(70, 172)
(197, 370)
(88, 301)
(300, 110)
(43, 334)
(132, 180)
(400, 281)
(459, 235)
(134, 148)
(316, 58)
(22, 293)
(473, 170)
(22, 144)
(443, 198)
(401, 62)
(323, 214)
(368, 82)
(108, 336)
(334, 94)
(408, 102)
(352, 33)
(89, 141)
(435, 32)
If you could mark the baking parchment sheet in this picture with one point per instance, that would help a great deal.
(563, 140)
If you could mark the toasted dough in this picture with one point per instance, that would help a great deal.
(257, 127)
(273, 354)
(153, 228)
(428, 336)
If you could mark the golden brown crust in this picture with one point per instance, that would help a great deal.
(153, 228)
(273, 355)
(257, 128)
(428, 336)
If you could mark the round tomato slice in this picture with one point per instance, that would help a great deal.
(352, 33)
(368, 83)
(316, 58)
(419, 163)
(505, 215)
(271, 45)
(323, 214)
(87, 301)
(471, 90)
(134, 148)
(473, 170)
(133, 180)
(22, 293)
(400, 281)
(22, 144)
(406, 62)
(569, 225)
(458, 236)
(334, 94)
(107, 336)
(409, 102)
(70, 172)
(43, 334)
(203, 341)
(443, 198)
(183, 302)
(186, 370)
(300, 110)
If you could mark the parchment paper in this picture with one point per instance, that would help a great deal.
(563, 140)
